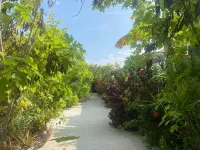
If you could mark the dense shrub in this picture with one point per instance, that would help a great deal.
(163, 97)
(165, 112)
(42, 70)
(114, 101)
(102, 77)
(101, 86)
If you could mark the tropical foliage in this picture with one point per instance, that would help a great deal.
(163, 91)
(102, 77)
(42, 70)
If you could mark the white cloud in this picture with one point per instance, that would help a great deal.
(125, 53)
(119, 58)
(57, 3)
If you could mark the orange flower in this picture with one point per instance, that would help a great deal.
(126, 99)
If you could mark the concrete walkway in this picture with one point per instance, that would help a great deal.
(90, 123)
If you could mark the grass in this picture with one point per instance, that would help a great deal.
(65, 138)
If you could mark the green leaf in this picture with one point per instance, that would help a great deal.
(174, 128)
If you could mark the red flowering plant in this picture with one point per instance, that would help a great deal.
(116, 100)
(126, 98)
(131, 102)
(138, 92)
(156, 114)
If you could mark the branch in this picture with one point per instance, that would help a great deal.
(37, 28)
(79, 9)
(31, 29)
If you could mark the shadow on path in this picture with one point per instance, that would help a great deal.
(90, 123)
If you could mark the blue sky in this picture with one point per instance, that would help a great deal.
(96, 31)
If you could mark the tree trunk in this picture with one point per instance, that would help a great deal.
(5, 125)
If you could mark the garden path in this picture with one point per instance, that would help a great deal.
(89, 121)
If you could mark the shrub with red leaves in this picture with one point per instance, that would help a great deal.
(101, 86)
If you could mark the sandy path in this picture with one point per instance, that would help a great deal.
(89, 121)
